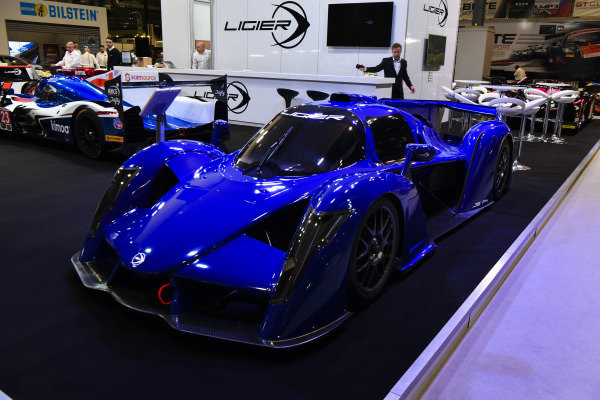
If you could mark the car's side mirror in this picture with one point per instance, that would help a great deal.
(417, 152)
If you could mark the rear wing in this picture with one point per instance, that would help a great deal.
(218, 87)
(451, 120)
(152, 80)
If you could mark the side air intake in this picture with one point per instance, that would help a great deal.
(352, 98)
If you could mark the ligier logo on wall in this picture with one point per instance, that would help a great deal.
(238, 98)
(296, 16)
(441, 11)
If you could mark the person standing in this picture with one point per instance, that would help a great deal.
(393, 67)
(72, 59)
(102, 58)
(201, 58)
(76, 44)
(88, 59)
(114, 55)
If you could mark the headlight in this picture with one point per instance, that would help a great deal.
(121, 180)
(316, 230)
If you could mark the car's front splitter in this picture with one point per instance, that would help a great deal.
(198, 323)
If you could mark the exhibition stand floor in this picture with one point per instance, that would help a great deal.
(61, 340)
(538, 336)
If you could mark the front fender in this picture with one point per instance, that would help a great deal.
(182, 157)
(320, 295)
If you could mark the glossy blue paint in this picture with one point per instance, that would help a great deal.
(71, 88)
(197, 232)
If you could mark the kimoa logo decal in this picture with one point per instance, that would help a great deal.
(59, 128)
(238, 97)
(297, 14)
(441, 10)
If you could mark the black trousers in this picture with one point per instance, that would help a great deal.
(397, 92)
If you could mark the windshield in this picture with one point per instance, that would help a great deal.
(584, 37)
(4, 60)
(304, 140)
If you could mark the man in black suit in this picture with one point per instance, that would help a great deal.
(114, 55)
(393, 67)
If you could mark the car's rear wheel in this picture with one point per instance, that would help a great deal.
(29, 87)
(373, 253)
(502, 172)
(87, 132)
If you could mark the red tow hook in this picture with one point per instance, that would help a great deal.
(168, 295)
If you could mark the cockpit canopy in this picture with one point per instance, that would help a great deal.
(304, 140)
(64, 89)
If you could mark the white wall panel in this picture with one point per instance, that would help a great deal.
(262, 54)
(201, 21)
(420, 25)
(304, 58)
(176, 18)
(257, 50)
(230, 48)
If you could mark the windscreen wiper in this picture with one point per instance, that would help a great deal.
(274, 147)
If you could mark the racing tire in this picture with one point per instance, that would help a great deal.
(503, 169)
(29, 87)
(373, 253)
(88, 134)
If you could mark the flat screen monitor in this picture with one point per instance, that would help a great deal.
(360, 24)
(126, 57)
(435, 50)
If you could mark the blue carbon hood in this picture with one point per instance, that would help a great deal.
(208, 212)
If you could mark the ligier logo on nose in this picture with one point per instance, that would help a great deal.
(59, 128)
(138, 259)
(295, 13)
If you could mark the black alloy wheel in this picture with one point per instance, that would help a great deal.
(88, 133)
(503, 166)
(373, 253)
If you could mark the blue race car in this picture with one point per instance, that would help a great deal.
(276, 244)
(71, 110)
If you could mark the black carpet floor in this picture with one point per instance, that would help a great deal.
(60, 340)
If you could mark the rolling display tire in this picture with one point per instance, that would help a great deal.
(87, 132)
(373, 253)
(502, 171)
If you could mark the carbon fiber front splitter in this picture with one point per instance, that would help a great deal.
(199, 324)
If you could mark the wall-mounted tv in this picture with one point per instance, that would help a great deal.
(435, 50)
(360, 24)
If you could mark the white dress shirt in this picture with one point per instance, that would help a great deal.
(201, 61)
(102, 59)
(70, 60)
(88, 60)
(397, 65)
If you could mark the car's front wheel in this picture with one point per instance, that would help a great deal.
(373, 253)
(87, 132)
